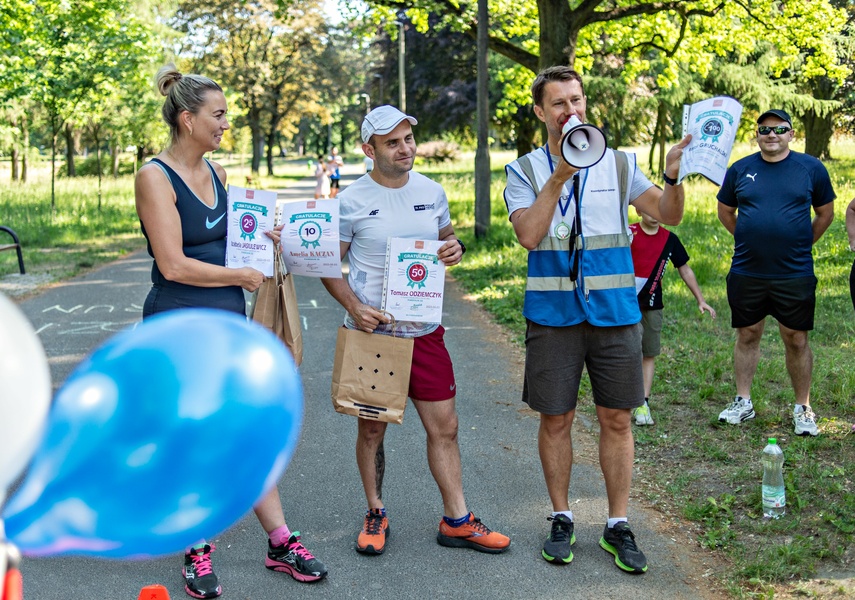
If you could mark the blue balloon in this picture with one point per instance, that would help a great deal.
(166, 434)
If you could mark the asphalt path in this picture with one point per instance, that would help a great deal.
(322, 494)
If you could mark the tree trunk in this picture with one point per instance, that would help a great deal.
(271, 144)
(98, 165)
(557, 33)
(13, 121)
(342, 131)
(819, 128)
(818, 132)
(14, 159)
(53, 172)
(257, 149)
(114, 155)
(253, 118)
(69, 151)
(25, 137)
(527, 125)
(482, 154)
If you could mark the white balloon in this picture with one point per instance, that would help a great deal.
(25, 392)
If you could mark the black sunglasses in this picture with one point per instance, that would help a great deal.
(779, 130)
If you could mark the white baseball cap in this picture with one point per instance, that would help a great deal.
(382, 120)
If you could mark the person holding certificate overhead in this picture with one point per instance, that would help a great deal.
(394, 200)
(181, 202)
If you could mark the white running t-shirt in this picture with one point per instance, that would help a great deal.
(372, 213)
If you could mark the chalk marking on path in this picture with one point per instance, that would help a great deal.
(94, 327)
(61, 309)
(109, 307)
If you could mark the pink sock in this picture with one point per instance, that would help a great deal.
(279, 535)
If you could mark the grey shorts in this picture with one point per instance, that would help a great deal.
(555, 357)
(651, 323)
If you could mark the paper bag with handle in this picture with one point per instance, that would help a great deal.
(371, 374)
(275, 307)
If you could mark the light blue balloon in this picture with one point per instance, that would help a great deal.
(166, 434)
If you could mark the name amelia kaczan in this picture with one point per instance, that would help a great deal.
(314, 254)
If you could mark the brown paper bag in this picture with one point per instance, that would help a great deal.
(275, 307)
(371, 375)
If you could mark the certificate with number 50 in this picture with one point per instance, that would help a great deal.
(414, 285)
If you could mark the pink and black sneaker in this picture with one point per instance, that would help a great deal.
(293, 558)
(199, 578)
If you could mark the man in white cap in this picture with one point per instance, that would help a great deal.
(393, 200)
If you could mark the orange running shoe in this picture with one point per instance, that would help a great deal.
(375, 530)
(473, 534)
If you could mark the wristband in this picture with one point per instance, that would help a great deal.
(668, 180)
(462, 247)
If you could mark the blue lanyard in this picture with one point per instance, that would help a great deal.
(578, 190)
(577, 222)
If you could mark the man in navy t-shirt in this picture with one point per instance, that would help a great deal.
(765, 203)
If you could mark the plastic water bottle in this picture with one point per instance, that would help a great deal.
(774, 499)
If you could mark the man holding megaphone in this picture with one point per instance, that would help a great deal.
(568, 202)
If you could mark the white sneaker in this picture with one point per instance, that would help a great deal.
(642, 414)
(739, 410)
(805, 420)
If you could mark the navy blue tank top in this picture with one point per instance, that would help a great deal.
(203, 232)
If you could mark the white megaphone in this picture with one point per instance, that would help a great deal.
(583, 145)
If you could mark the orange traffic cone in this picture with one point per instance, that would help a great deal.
(154, 592)
(13, 586)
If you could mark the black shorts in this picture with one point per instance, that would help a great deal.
(334, 183)
(163, 298)
(791, 301)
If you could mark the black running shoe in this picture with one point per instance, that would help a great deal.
(620, 541)
(556, 549)
(293, 558)
(199, 578)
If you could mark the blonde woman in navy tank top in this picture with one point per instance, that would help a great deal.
(181, 202)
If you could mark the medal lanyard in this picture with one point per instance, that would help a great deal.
(576, 230)
(577, 191)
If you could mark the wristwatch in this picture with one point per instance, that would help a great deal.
(668, 180)
(462, 247)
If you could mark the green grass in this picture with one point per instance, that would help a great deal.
(689, 463)
(78, 236)
(75, 237)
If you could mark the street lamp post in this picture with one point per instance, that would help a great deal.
(367, 102)
(379, 77)
(402, 49)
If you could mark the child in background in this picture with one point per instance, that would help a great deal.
(652, 247)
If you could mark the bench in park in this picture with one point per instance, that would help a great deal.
(16, 245)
